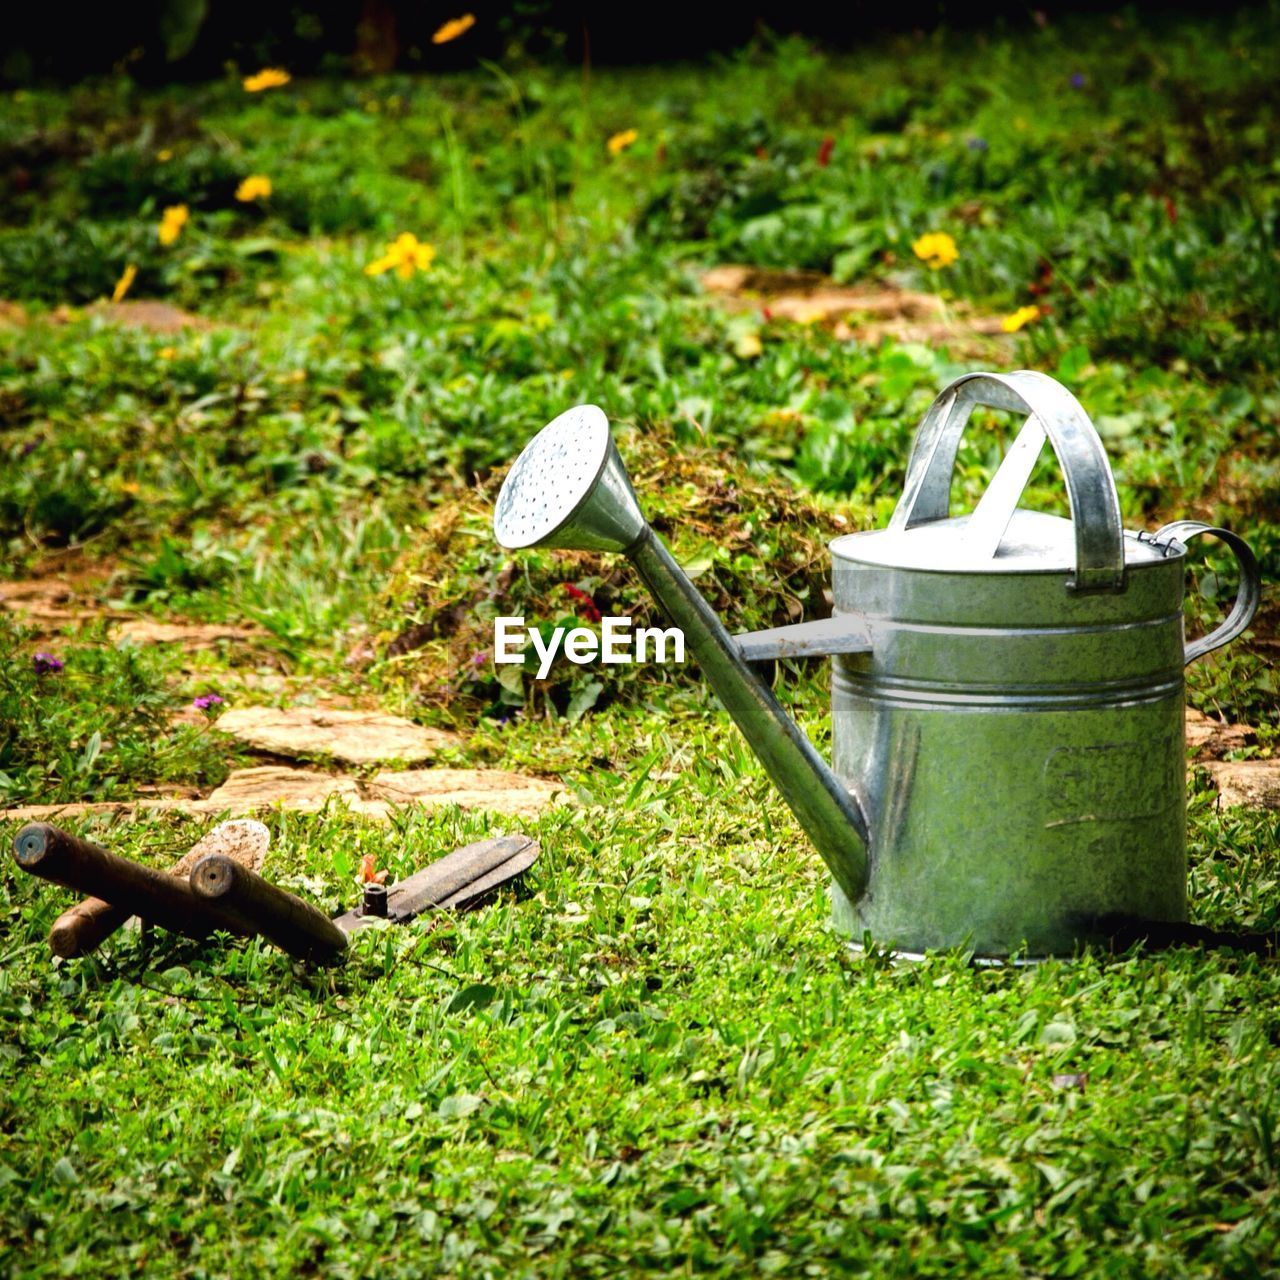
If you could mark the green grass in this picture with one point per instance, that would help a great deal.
(657, 1056)
(97, 726)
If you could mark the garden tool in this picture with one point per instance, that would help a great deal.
(223, 893)
(1007, 700)
(86, 926)
(458, 881)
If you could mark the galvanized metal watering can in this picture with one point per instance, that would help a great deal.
(1009, 770)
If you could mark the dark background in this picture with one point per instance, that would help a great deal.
(163, 40)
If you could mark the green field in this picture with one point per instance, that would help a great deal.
(657, 1055)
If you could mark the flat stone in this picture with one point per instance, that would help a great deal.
(189, 635)
(155, 317)
(34, 593)
(241, 839)
(1210, 739)
(732, 277)
(306, 791)
(350, 737)
(76, 809)
(246, 790)
(495, 789)
(52, 601)
(1253, 784)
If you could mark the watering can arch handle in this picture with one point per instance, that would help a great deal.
(1091, 489)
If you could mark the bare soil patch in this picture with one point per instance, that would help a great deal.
(865, 313)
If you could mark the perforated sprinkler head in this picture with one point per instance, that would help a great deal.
(568, 488)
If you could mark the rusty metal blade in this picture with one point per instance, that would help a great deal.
(457, 881)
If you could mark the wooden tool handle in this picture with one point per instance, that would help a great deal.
(85, 927)
(53, 854)
(281, 917)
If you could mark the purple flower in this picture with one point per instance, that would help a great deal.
(46, 664)
(479, 658)
(977, 144)
(29, 447)
(1077, 80)
(207, 701)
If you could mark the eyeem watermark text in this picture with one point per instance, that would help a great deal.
(616, 644)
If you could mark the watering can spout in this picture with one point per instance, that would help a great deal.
(569, 489)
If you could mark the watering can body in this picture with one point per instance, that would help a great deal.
(1017, 747)
(1007, 692)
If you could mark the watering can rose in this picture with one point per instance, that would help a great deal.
(616, 644)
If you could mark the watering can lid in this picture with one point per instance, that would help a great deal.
(1032, 542)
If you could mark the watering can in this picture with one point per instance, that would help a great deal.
(1007, 686)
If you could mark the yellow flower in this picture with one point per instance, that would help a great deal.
(267, 78)
(256, 186)
(1023, 315)
(936, 248)
(167, 353)
(621, 141)
(454, 28)
(174, 218)
(127, 277)
(164, 154)
(405, 254)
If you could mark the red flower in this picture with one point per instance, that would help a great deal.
(825, 148)
(1043, 281)
(1171, 209)
(586, 605)
(367, 873)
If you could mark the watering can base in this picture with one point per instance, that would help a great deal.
(1067, 942)
(1016, 961)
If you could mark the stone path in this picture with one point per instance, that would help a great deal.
(53, 602)
(250, 791)
(346, 736)
(359, 739)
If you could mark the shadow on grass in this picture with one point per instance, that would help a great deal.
(1119, 934)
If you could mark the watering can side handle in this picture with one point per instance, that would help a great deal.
(817, 638)
(1247, 598)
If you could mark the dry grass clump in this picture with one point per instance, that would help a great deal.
(755, 546)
